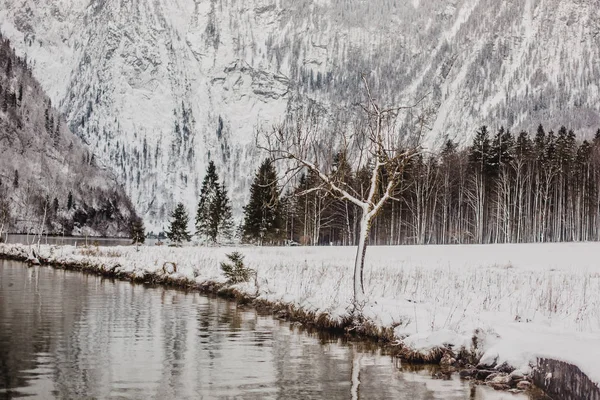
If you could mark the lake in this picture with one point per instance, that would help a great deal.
(74, 335)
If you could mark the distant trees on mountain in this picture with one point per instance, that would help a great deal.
(48, 179)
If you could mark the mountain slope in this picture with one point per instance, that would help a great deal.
(159, 88)
(47, 177)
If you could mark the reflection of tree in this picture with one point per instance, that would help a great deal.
(356, 357)
(174, 336)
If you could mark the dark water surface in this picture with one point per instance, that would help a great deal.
(69, 335)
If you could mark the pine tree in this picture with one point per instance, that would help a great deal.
(213, 216)
(223, 210)
(523, 146)
(20, 96)
(480, 151)
(47, 120)
(500, 150)
(178, 228)
(16, 179)
(70, 201)
(137, 230)
(205, 225)
(263, 219)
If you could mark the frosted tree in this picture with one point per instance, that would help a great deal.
(263, 215)
(213, 216)
(376, 142)
(224, 211)
(178, 228)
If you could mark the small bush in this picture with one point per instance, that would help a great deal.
(235, 271)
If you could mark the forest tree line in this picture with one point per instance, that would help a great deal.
(502, 188)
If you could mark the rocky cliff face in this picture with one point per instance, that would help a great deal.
(157, 88)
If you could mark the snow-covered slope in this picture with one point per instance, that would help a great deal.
(49, 180)
(159, 87)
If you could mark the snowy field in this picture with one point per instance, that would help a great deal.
(526, 301)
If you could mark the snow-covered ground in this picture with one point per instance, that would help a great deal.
(527, 301)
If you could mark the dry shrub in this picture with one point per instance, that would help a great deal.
(433, 356)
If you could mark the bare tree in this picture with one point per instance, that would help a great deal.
(376, 142)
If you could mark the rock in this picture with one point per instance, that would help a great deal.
(516, 376)
(501, 378)
(34, 261)
(523, 385)
(498, 386)
(505, 367)
(482, 374)
(488, 361)
(447, 360)
(467, 373)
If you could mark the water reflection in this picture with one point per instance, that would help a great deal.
(71, 335)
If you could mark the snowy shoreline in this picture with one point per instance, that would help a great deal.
(520, 302)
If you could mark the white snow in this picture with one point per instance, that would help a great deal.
(130, 68)
(525, 301)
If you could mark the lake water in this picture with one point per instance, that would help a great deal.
(68, 335)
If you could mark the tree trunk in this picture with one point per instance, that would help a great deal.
(361, 251)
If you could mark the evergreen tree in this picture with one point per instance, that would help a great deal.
(55, 205)
(523, 146)
(208, 193)
(500, 150)
(70, 201)
(480, 151)
(263, 219)
(137, 230)
(178, 228)
(213, 216)
(16, 179)
(47, 120)
(223, 210)
(20, 96)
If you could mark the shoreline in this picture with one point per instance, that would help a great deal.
(462, 362)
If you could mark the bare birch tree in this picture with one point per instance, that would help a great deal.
(376, 142)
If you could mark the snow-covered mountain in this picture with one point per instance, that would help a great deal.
(157, 88)
(49, 180)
